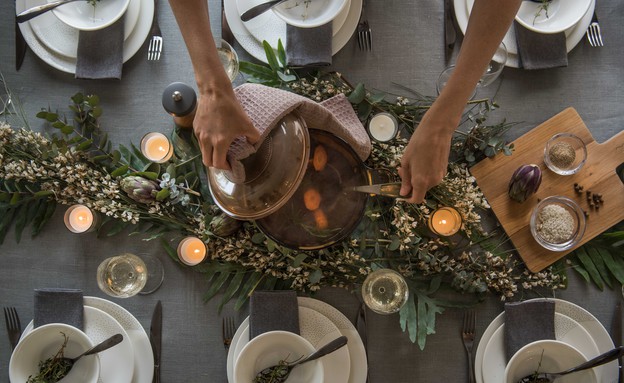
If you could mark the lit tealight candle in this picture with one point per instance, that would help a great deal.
(383, 127)
(191, 251)
(156, 147)
(79, 219)
(445, 221)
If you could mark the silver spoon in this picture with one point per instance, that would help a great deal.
(259, 9)
(595, 362)
(281, 372)
(39, 9)
(104, 345)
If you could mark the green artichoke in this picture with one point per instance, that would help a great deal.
(524, 182)
(223, 225)
(140, 189)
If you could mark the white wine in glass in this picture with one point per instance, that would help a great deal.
(229, 59)
(122, 276)
(385, 291)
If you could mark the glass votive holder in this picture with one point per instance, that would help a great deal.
(191, 251)
(565, 154)
(383, 127)
(445, 221)
(385, 291)
(80, 219)
(156, 147)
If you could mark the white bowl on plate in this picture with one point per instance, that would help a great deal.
(43, 343)
(269, 349)
(562, 14)
(309, 13)
(86, 17)
(548, 356)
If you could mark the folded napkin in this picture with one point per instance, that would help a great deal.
(526, 322)
(100, 53)
(540, 50)
(58, 306)
(266, 106)
(273, 311)
(309, 46)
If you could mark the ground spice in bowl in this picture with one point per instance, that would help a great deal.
(555, 224)
(562, 155)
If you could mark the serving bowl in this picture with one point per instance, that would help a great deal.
(548, 356)
(565, 154)
(552, 218)
(91, 15)
(559, 15)
(309, 13)
(43, 343)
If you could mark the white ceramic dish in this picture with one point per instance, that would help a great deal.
(559, 16)
(547, 356)
(85, 16)
(99, 326)
(607, 373)
(566, 330)
(43, 343)
(269, 349)
(309, 13)
(270, 27)
(573, 35)
(52, 57)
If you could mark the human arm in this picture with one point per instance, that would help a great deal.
(219, 118)
(425, 159)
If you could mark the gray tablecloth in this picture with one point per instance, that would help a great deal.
(408, 49)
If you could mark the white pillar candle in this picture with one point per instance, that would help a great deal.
(383, 127)
(156, 147)
(79, 219)
(191, 251)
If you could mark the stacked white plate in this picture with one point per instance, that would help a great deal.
(56, 43)
(573, 325)
(319, 323)
(129, 361)
(268, 26)
(573, 34)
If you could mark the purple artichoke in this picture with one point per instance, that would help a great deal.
(223, 225)
(524, 182)
(140, 189)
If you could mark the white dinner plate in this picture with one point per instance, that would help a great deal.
(63, 39)
(315, 328)
(68, 64)
(116, 363)
(600, 336)
(252, 45)
(573, 35)
(143, 356)
(566, 330)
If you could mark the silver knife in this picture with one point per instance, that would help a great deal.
(387, 190)
(259, 9)
(20, 47)
(360, 324)
(616, 333)
(450, 35)
(156, 339)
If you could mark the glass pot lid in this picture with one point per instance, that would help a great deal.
(272, 174)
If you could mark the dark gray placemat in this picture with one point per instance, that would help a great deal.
(309, 46)
(540, 50)
(526, 322)
(100, 53)
(273, 311)
(56, 305)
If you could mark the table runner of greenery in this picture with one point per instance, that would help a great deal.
(77, 163)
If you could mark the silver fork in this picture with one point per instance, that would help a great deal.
(593, 32)
(227, 330)
(468, 335)
(156, 41)
(364, 33)
(14, 328)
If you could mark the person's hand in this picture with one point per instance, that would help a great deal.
(219, 120)
(425, 159)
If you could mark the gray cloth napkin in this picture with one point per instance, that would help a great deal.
(59, 306)
(540, 50)
(309, 46)
(526, 322)
(100, 53)
(273, 311)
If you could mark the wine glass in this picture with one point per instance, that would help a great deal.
(385, 291)
(229, 59)
(126, 275)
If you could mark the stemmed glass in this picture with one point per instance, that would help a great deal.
(126, 275)
(385, 291)
(229, 59)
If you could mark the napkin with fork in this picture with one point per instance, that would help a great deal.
(273, 311)
(526, 322)
(540, 50)
(58, 305)
(100, 52)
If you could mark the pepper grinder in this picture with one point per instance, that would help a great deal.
(180, 101)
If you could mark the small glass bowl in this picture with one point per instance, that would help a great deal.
(562, 142)
(578, 223)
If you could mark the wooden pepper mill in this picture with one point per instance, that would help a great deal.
(180, 101)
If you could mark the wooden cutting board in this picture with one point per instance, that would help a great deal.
(598, 175)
